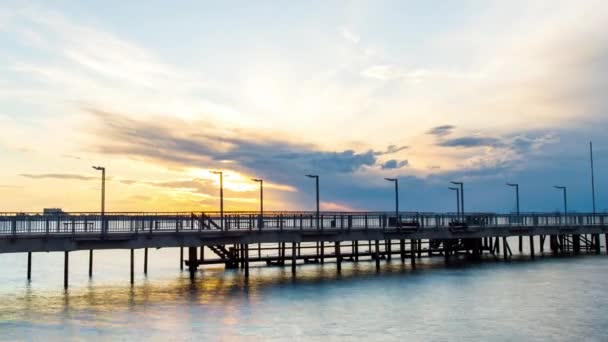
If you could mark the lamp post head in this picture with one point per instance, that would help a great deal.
(256, 180)
(512, 184)
(457, 189)
(216, 172)
(99, 168)
(559, 187)
(312, 176)
(457, 183)
(391, 179)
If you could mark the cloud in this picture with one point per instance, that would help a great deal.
(350, 36)
(390, 149)
(441, 131)
(381, 72)
(470, 142)
(187, 147)
(394, 164)
(58, 176)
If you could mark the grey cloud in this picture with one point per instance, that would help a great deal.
(149, 140)
(394, 164)
(441, 130)
(391, 149)
(57, 176)
(467, 142)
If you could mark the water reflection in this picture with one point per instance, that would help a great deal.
(272, 303)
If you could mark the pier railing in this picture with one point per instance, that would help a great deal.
(17, 225)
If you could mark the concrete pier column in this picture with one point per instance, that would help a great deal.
(90, 263)
(181, 258)
(553, 243)
(419, 248)
(356, 250)
(283, 254)
(542, 243)
(504, 248)
(532, 246)
(145, 261)
(377, 255)
(202, 253)
(387, 248)
(29, 265)
(338, 256)
(521, 242)
(132, 266)
(402, 249)
(192, 262)
(293, 258)
(322, 252)
(576, 243)
(246, 259)
(413, 252)
(66, 265)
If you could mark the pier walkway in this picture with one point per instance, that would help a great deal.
(240, 238)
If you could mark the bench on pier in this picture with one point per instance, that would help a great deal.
(458, 226)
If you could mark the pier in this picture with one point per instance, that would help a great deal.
(238, 239)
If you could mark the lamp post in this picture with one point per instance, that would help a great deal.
(316, 177)
(563, 188)
(261, 221)
(516, 197)
(397, 218)
(457, 199)
(592, 178)
(221, 196)
(103, 195)
(461, 184)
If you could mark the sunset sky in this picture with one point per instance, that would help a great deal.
(428, 91)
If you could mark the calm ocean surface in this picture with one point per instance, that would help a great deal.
(551, 298)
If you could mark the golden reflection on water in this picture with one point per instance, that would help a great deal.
(228, 289)
(271, 303)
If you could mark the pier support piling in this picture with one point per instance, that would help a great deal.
(532, 246)
(338, 256)
(132, 266)
(181, 258)
(413, 252)
(29, 266)
(521, 243)
(402, 249)
(66, 264)
(192, 262)
(576, 243)
(377, 255)
(145, 261)
(322, 252)
(246, 262)
(293, 258)
(90, 263)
